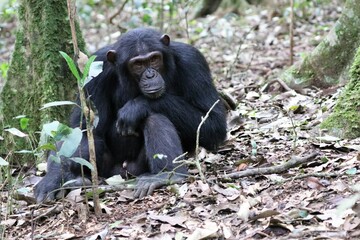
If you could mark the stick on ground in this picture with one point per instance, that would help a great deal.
(293, 162)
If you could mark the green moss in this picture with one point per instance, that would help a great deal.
(299, 76)
(344, 121)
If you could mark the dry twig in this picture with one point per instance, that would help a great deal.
(291, 32)
(117, 12)
(197, 161)
(294, 162)
(281, 82)
(320, 175)
(89, 114)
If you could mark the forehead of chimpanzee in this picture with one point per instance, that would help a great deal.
(138, 42)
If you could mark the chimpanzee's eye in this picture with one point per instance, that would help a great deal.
(154, 60)
(138, 66)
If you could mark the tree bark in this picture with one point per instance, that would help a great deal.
(329, 63)
(345, 120)
(37, 72)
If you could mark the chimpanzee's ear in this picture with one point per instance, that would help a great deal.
(111, 56)
(165, 39)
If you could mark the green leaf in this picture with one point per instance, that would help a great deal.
(70, 143)
(115, 180)
(351, 171)
(294, 108)
(48, 146)
(24, 151)
(303, 213)
(16, 132)
(57, 103)
(50, 128)
(24, 123)
(71, 65)
(20, 116)
(95, 69)
(83, 162)
(3, 162)
(90, 193)
(23, 190)
(62, 132)
(87, 69)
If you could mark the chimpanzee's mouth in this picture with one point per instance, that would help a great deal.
(154, 93)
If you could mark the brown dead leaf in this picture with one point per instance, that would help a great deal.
(351, 223)
(75, 195)
(165, 227)
(66, 236)
(9, 222)
(209, 230)
(241, 166)
(100, 235)
(228, 192)
(265, 214)
(314, 183)
(174, 220)
(82, 61)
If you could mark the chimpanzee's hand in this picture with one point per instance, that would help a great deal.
(147, 183)
(130, 116)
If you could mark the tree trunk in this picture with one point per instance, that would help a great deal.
(207, 7)
(345, 120)
(328, 64)
(37, 72)
(210, 6)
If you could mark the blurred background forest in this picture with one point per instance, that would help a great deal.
(235, 22)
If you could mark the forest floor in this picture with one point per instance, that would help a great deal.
(271, 125)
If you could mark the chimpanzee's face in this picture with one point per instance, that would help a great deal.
(146, 68)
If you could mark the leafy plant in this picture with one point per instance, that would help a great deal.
(60, 138)
(66, 139)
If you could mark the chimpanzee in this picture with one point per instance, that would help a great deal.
(150, 98)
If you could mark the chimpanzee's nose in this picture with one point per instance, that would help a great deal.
(150, 73)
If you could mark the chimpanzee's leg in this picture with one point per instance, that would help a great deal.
(162, 145)
(60, 173)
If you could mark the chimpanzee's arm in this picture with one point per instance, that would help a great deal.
(186, 117)
(130, 116)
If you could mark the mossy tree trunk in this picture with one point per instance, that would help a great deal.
(345, 119)
(37, 72)
(329, 63)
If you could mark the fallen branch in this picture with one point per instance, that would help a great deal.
(281, 82)
(293, 162)
(319, 175)
(36, 214)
